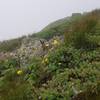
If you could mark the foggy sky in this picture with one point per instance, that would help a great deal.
(18, 17)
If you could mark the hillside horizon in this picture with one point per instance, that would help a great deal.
(61, 62)
(52, 22)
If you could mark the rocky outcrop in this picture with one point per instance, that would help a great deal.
(32, 47)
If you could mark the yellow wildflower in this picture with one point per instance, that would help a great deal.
(47, 45)
(55, 42)
(19, 72)
(45, 60)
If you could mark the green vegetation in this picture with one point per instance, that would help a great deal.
(10, 45)
(57, 27)
(69, 70)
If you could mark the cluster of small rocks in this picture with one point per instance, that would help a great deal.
(32, 47)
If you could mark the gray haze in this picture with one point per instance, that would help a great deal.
(18, 17)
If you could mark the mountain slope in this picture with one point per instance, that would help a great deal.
(65, 67)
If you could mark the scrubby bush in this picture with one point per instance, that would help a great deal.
(14, 87)
(8, 63)
(61, 58)
(82, 41)
(10, 45)
(86, 24)
(80, 31)
(48, 34)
